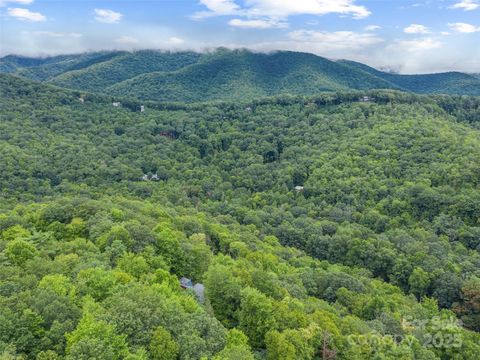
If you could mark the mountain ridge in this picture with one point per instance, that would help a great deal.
(224, 75)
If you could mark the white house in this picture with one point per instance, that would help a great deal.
(366, 99)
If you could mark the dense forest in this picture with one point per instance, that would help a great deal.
(223, 75)
(304, 227)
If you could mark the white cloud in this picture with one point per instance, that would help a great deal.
(464, 28)
(419, 44)
(55, 41)
(21, 2)
(107, 16)
(45, 43)
(285, 8)
(416, 29)
(337, 40)
(135, 43)
(56, 34)
(467, 5)
(425, 55)
(221, 6)
(126, 40)
(263, 13)
(25, 14)
(372, 27)
(257, 24)
(176, 40)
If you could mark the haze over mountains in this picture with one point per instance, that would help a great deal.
(223, 75)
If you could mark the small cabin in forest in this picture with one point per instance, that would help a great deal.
(198, 289)
(366, 99)
(142, 108)
(172, 135)
(154, 177)
(186, 283)
(298, 188)
(116, 104)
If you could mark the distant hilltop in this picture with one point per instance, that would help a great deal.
(223, 75)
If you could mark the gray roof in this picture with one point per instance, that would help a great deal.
(199, 292)
(186, 283)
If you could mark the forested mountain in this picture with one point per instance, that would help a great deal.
(321, 227)
(49, 67)
(446, 83)
(247, 75)
(122, 66)
(223, 75)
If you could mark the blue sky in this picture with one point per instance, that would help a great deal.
(418, 36)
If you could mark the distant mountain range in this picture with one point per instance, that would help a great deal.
(223, 75)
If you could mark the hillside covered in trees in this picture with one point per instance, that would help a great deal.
(223, 75)
(320, 227)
